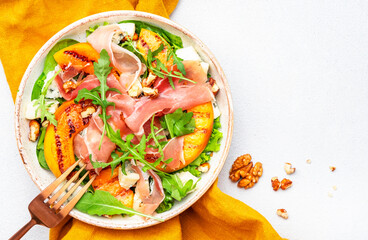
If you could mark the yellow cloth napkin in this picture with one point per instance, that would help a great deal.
(25, 25)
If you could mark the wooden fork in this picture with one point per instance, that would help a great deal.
(44, 208)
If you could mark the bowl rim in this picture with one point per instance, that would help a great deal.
(127, 13)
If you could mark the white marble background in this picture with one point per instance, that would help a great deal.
(298, 72)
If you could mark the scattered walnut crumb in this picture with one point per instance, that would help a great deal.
(309, 161)
(332, 168)
(244, 170)
(288, 169)
(282, 213)
(334, 188)
(275, 183)
(285, 184)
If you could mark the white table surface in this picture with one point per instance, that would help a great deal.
(298, 72)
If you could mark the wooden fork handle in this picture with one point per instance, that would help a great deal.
(23, 230)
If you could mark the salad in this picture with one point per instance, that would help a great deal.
(137, 107)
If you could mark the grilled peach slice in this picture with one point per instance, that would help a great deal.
(151, 40)
(80, 56)
(58, 144)
(110, 183)
(196, 142)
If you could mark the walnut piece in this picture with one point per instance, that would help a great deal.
(285, 184)
(34, 130)
(214, 87)
(243, 168)
(150, 92)
(332, 168)
(275, 183)
(135, 90)
(204, 167)
(45, 123)
(88, 112)
(69, 86)
(308, 161)
(147, 82)
(288, 169)
(282, 213)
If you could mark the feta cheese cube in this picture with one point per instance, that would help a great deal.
(127, 28)
(129, 180)
(188, 53)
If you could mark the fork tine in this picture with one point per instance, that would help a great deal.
(74, 201)
(47, 191)
(65, 186)
(70, 192)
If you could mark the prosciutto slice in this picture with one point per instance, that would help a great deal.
(128, 64)
(174, 150)
(168, 101)
(147, 200)
(88, 83)
(89, 143)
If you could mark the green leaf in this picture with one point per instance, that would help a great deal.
(178, 123)
(102, 69)
(40, 150)
(37, 87)
(89, 94)
(174, 40)
(102, 202)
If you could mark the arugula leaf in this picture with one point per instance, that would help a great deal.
(102, 202)
(174, 40)
(178, 123)
(49, 65)
(40, 150)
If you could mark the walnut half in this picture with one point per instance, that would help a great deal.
(243, 168)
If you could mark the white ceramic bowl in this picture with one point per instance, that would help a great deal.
(76, 31)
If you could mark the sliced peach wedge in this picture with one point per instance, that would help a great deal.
(58, 144)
